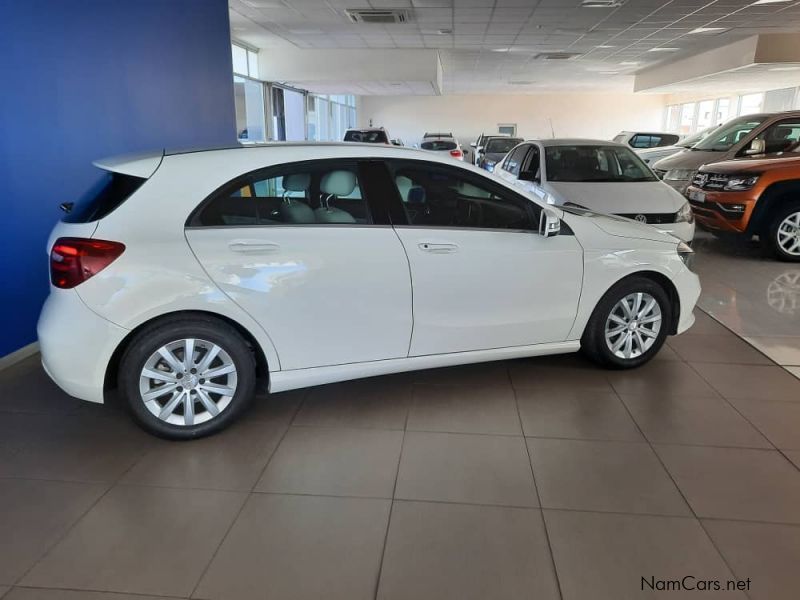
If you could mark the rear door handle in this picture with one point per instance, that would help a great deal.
(252, 246)
(438, 248)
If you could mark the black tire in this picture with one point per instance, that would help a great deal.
(203, 329)
(593, 343)
(773, 242)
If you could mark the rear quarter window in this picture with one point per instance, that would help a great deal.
(103, 198)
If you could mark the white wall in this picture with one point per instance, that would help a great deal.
(599, 116)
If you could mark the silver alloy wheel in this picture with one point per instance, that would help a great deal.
(188, 382)
(789, 234)
(633, 325)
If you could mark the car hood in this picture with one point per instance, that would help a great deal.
(691, 159)
(620, 198)
(621, 227)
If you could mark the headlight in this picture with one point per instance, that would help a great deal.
(685, 253)
(740, 183)
(679, 174)
(685, 214)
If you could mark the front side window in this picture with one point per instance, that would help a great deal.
(600, 164)
(304, 194)
(783, 136)
(514, 160)
(440, 197)
(727, 136)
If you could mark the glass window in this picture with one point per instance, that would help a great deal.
(239, 60)
(673, 118)
(514, 160)
(249, 103)
(438, 145)
(687, 118)
(290, 195)
(782, 136)
(368, 136)
(750, 104)
(727, 136)
(501, 145)
(644, 141)
(705, 114)
(252, 63)
(723, 111)
(595, 164)
(441, 197)
(103, 198)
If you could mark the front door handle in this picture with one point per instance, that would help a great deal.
(253, 246)
(438, 248)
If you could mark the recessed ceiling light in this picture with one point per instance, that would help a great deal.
(769, 2)
(662, 49)
(604, 46)
(706, 30)
(602, 3)
(629, 63)
(784, 69)
(608, 72)
(500, 49)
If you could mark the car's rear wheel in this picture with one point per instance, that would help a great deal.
(784, 233)
(187, 378)
(629, 324)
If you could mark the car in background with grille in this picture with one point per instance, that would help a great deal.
(442, 142)
(600, 176)
(745, 198)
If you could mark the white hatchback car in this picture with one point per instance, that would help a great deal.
(600, 176)
(188, 275)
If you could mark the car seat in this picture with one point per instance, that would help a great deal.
(293, 210)
(333, 184)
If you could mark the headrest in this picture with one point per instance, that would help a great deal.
(296, 182)
(338, 183)
(416, 195)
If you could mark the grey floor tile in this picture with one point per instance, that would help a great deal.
(334, 461)
(142, 540)
(74, 447)
(25, 387)
(693, 420)
(778, 421)
(605, 556)
(767, 554)
(34, 515)
(727, 348)
(705, 324)
(794, 456)
(735, 483)
(784, 350)
(661, 379)
(479, 469)
(603, 476)
(464, 409)
(478, 374)
(279, 408)
(3, 590)
(751, 382)
(533, 373)
(230, 460)
(450, 551)
(380, 403)
(21, 593)
(667, 353)
(569, 413)
(300, 547)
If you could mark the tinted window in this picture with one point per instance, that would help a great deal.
(103, 198)
(438, 145)
(595, 163)
(645, 141)
(514, 160)
(782, 136)
(369, 137)
(727, 136)
(289, 195)
(501, 145)
(439, 197)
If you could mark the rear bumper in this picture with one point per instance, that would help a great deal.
(76, 345)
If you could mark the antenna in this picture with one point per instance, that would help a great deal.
(552, 131)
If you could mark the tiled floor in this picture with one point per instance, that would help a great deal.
(541, 478)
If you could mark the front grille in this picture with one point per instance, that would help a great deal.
(652, 218)
(710, 181)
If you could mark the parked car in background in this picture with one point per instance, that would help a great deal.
(493, 150)
(600, 176)
(751, 135)
(752, 197)
(370, 135)
(273, 270)
(437, 135)
(396, 142)
(653, 155)
(481, 142)
(638, 139)
(442, 143)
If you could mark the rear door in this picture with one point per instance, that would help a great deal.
(309, 252)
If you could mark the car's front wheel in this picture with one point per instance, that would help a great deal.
(784, 233)
(185, 378)
(629, 324)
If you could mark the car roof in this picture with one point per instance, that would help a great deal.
(366, 129)
(575, 142)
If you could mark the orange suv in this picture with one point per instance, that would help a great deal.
(752, 197)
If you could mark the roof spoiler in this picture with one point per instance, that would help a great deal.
(142, 165)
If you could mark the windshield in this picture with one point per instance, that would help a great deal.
(439, 145)
(370, 137)
(697, 137)
(596, 164)
(501, 145)
(728, 135)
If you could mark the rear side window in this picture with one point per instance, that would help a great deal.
(103, 198)
(438, 145)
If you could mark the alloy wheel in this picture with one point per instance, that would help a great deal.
(633, 325)
(188, 381)
(789, 234)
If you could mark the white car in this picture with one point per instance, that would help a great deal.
(652, 155)
(600, 176)
(188, 275)
(442, 142)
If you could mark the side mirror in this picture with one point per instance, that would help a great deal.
(529, 176)
(549, 223)
(757, 146)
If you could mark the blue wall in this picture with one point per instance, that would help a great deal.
(84, 79)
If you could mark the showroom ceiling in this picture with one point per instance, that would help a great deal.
(502, 45)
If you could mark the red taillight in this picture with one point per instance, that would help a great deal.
(74, 260)
(456, 153)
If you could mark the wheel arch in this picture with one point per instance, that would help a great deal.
(770, 200)
(262, 365)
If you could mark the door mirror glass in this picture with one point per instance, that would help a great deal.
(549, 223)
(757, 146)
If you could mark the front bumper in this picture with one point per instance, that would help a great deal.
(723, 211)
(683, 231)
(76, 344)
(687, 284)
